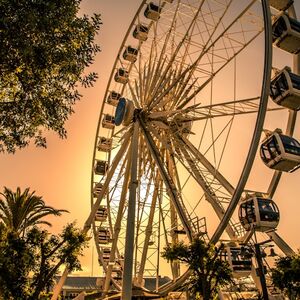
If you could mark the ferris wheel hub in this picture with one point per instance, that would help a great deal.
(124, 112)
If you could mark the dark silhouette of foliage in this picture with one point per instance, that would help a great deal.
(44, 49)
(30, 257)
(21, 210)
(29, 264)
(286, 275)
(208, 270)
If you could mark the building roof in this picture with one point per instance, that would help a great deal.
(81, 283)
(150, 282)
(88, 283)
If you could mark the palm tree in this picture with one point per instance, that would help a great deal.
(18, 210)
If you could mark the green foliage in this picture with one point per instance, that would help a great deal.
(29, 264)
(208, 271)
(15, 262)
(44, 49)
(21, 210)
(286, 275)
(29, 256)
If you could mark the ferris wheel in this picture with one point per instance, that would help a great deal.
(178, 132)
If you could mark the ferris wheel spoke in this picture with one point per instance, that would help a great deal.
(225, 109)
(174, 56)
(171, 188)
(199, 113)
(161, 60)
(184, 101)
(206, 178)
(149, 229)
(206, 163)
(196, 66)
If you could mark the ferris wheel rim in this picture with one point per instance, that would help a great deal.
(106, 93)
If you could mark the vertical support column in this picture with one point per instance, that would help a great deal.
(261, 271)
(129, 244)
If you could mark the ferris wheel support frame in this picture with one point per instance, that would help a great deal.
(172, 190)
(129, 244)
(258, 126)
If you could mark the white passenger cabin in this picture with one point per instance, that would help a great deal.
(280, 152)
(258, 213)
(285, 89)
(141, 32)
(101, 214)
(106, 253)
(130, 54)
(103, 235)
(121, 76)
(113, 98)
(97, 189)
(104, 144)
(152, 11)
(240, 261)
(108, 121)
(286, 34)
(280, 4)
(101, 167)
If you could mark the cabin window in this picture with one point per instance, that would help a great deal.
(268, 211)
(278, 28)
(295, 25)
(290, 145)
(295, 81)
(279, 86)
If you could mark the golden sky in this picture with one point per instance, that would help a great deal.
(61, 173)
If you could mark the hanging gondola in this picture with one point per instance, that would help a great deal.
(101, 214)
(285, 89)
(141, 32)
(104, 144)
(286, 34)
(113, 98)
(152, 11)
(103, 235)
(240, 261)
(101, 167)
(108, 121)
(130, 54)
(97, 189)
(121, 76)
(258, 213)
(106, 253)
(280, 152)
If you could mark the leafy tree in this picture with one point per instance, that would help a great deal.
(208, 271)
(44, 49)
(286, 275)
(16, 260)
(19, 211)
(29, 264)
